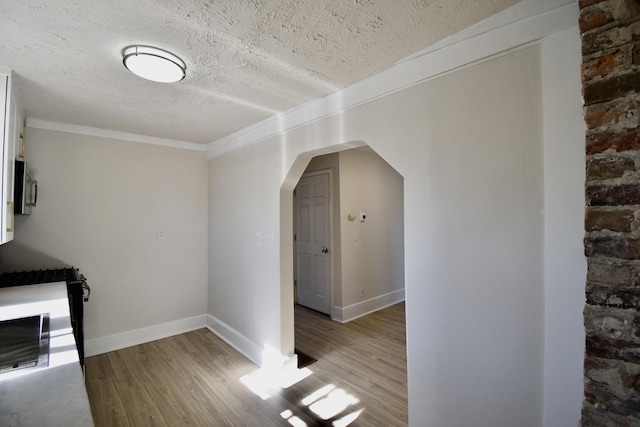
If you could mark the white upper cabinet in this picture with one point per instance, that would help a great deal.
(11, 130)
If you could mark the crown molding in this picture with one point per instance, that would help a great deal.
(524, 23)
(112, 134)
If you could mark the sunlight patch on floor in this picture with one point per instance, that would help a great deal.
(333, 404)
(294, 376)
(318, 394)
(257, 385)
(348, 419)
(265, 382)
(292, 419)
(326, 402)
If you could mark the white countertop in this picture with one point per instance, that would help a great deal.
(54, 395)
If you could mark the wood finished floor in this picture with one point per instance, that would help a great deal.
(193, 379)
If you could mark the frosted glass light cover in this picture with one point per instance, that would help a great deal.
(154, 64)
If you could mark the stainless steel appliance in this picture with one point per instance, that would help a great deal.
(77, 290)
(25, 343)
(25, 189)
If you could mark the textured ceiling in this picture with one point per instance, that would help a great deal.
(246, 59)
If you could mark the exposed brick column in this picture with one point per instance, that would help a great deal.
(611, 89)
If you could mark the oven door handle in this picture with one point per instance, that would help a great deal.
(35, 196)
(85, 287)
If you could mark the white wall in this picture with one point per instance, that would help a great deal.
(375, 261)
(469, 146)
(100, 203)
(565, 264)
(243, 201)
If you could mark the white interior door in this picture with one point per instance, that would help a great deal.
(313, 261)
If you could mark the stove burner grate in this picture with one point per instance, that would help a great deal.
(39, 276)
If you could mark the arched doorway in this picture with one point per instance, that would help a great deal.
(360, 187)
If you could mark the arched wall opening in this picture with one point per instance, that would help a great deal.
(286, 240)
(361, 179)
(473, 182)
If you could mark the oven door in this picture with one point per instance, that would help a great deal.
(25, 343)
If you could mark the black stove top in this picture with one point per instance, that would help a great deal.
(33, 277)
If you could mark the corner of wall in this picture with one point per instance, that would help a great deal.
(565, 265)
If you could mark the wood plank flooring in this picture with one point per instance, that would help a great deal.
(193, 379)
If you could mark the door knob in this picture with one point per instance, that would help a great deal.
(325, 250)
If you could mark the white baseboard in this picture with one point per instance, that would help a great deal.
(248, 348)
(235, 339)
(140, 336)
(352, 312)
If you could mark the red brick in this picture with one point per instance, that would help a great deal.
(598, 115)
(597, 414)
(619, 195)
(615, 274)
(607, 348)
(596, 220)
(624, 140)
(609, 38)
(612, 247)
(585, 3)
(611, 59)
(607, 90)
(622, 411)
(606, 296)
(593, 18)
(602, 66)
(609, 167)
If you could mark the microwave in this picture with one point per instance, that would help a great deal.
(25, 190)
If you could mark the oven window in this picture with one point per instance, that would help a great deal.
(24, 342)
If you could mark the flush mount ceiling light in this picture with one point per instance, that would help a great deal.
(154, 64)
